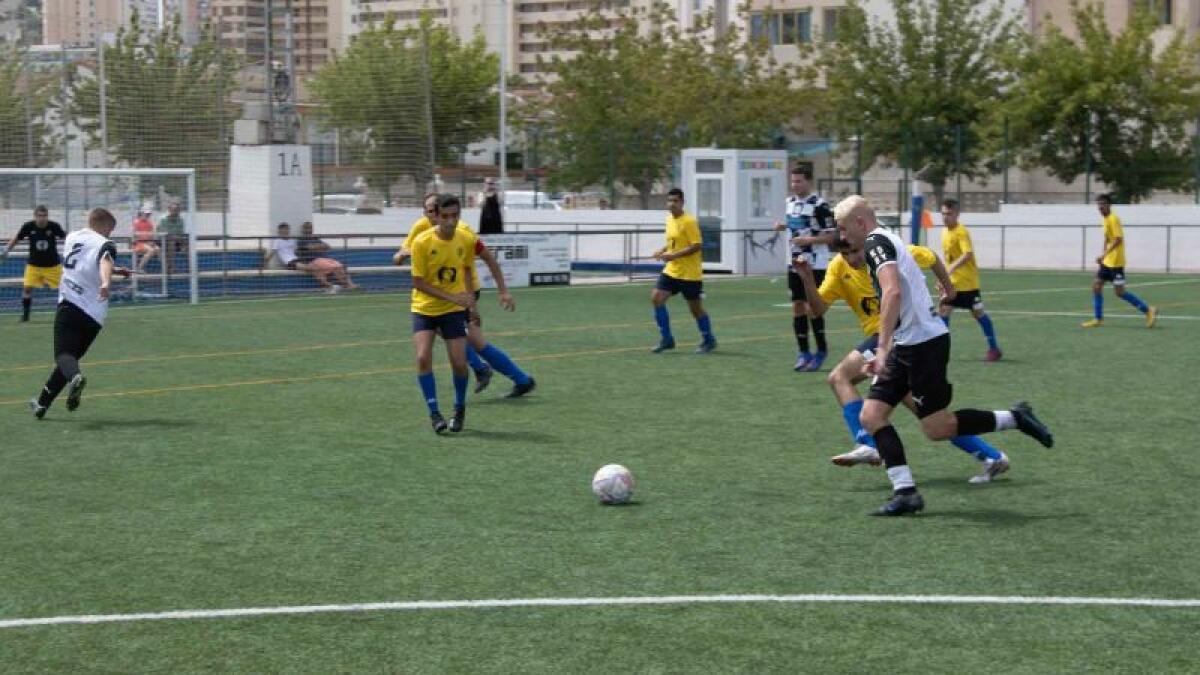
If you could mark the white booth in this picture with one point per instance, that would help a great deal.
(732, 192)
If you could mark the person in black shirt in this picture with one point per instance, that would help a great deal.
(44, 266)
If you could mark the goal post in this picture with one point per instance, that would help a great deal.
(69, 194)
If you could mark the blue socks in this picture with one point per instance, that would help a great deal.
(1135, 301)
(1098, 306)
(473, 359)
(500, 361)
(705, 326)
(850, 413)
(976, 447)
(429, 390)
(663, 319)
(989, 331)
(460, 390)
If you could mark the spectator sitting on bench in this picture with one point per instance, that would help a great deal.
(308, 252)
(284, 248)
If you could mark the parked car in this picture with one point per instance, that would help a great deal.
(524, 199)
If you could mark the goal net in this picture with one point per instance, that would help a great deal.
(156, 230)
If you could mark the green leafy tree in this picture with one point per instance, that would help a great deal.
(1109, 101)
(622, 107)
(165, 104)
(415, 95)
(919, 92)
(25, 98)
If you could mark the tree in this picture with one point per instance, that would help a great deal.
(165, 103)
(416, 96)
(919, 93)
(1109, 101)
(624, 105)
(25, 98)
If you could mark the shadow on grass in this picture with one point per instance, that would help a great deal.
(998, 517)
(524, 436)
(134, 423)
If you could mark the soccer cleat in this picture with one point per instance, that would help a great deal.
(39, 411)
(460, 418)
(818, 360)
(483, 377)
(863, 454)
(663, 346)
(899, 505)
(1092, 323)
(438, 422)
(706, 346)
(520, 390)
(1031, 426)
(993, 355)
(991, 469)
(1151, 316)
(75, 391)
(802, 362)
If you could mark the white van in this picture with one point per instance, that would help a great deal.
(523, 199)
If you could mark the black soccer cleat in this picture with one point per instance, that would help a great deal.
(899, 505)
(459, 419)
(706, 346)
(1029, 425)
(663, 346)
(39, 411)
(438, 422)
(483, 377)
(520, 390)
(75, 391)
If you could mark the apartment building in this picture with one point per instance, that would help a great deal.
(77, 23)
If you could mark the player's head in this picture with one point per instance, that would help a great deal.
(41, 215)
(950, 212)
(675, 201)
(102, 221)
(306, 228)
(801, 181)
(430, 205)
(855, 219)
(853, 254)
(449, 210)
(284, 230)
(1104, 203)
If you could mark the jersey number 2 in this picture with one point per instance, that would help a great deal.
(76, 249)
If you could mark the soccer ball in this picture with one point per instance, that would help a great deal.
(613, 484)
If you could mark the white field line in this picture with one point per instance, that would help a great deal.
(601, 602)
(1088, 315)
(1085, 288)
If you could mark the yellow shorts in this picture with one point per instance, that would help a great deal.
(36, 277)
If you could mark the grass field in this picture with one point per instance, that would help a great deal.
(277, 453)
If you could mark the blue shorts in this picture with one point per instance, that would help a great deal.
(691, 290)
(449, 326)
(868, 346)
(1114, 274)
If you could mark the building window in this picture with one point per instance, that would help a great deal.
(782, 28)
(830, 22)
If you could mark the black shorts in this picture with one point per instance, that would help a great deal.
(919, 370)
(449, 326)
(691, 290)
(972, 300)
(1114, 274)
(796, 286)
(74, 330)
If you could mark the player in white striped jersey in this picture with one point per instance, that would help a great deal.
(810, 230)
(89, 262)
(913, 352)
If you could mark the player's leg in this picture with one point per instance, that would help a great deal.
(994, 461)
(1151, 312)
(74, 333)
(1097, 299)
(32, 278)
(985, 325)
(663, 290)
(26, 302)
(694, 294)
(799, 321)
(424, 331)
(887, 390)
(842, 380)
(456, 349)
(818, 328)
(496, 358)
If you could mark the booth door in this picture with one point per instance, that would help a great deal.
(708, 215)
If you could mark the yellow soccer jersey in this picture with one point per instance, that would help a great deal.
(682, 232)
(422, 225)
(956, 243)
(445, 265)
(1112, 231)
(854, 285)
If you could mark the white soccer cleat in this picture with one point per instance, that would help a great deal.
(991, 469)
(863, 454)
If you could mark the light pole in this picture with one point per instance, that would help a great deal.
(503, 99)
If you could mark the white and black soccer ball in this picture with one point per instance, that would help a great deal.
(613, 484)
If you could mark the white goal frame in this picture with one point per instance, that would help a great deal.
(189, 174)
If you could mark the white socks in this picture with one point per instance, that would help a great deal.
(1005, 420)
(901, 477)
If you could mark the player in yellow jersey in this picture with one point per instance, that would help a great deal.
(847, 279)
(682, 273)
(964, 272)
(1112, 268)
(482, 356)
(443, 297)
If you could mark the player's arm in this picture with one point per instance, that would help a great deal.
(406, 248)
(888, 277)
(826, 237)
(1110, 247)
(493, 265)
(12, 242)
(816, 304)
(686, 250)
(943, 277)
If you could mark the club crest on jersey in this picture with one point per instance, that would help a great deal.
(447, 274)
